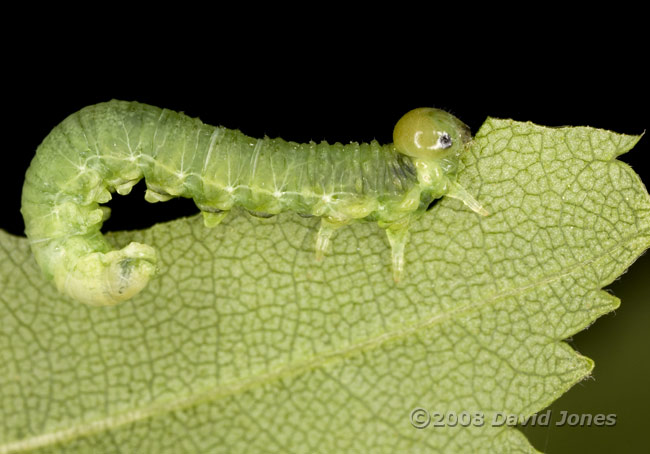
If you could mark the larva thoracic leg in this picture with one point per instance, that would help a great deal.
(398, 237)
(109, 147)
(327, 228)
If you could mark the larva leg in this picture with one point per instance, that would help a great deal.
(327, 228)
(106, 213)
(398, 235)
(460, 193)
(152, 196)
(104, 279)
(213, 219)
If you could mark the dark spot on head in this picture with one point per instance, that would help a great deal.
(445, 141)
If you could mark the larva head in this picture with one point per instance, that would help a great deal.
(430, 134)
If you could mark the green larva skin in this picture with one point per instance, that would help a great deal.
(109, 147)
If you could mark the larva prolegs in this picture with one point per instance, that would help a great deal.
(211, 219)
(104, 279)
(152, 196)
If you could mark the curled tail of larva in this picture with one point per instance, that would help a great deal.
(78, 165)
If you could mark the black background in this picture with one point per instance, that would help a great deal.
(324, 95)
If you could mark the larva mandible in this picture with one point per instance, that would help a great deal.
(110, 146)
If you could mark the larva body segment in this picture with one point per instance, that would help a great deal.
(109, 147)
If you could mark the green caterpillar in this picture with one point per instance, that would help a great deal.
(109, 147)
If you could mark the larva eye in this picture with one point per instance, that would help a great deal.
(444, 141)
(428, 133)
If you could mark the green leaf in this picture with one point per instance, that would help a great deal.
(244, 343)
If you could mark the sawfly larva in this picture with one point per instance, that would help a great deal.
(109, 147)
